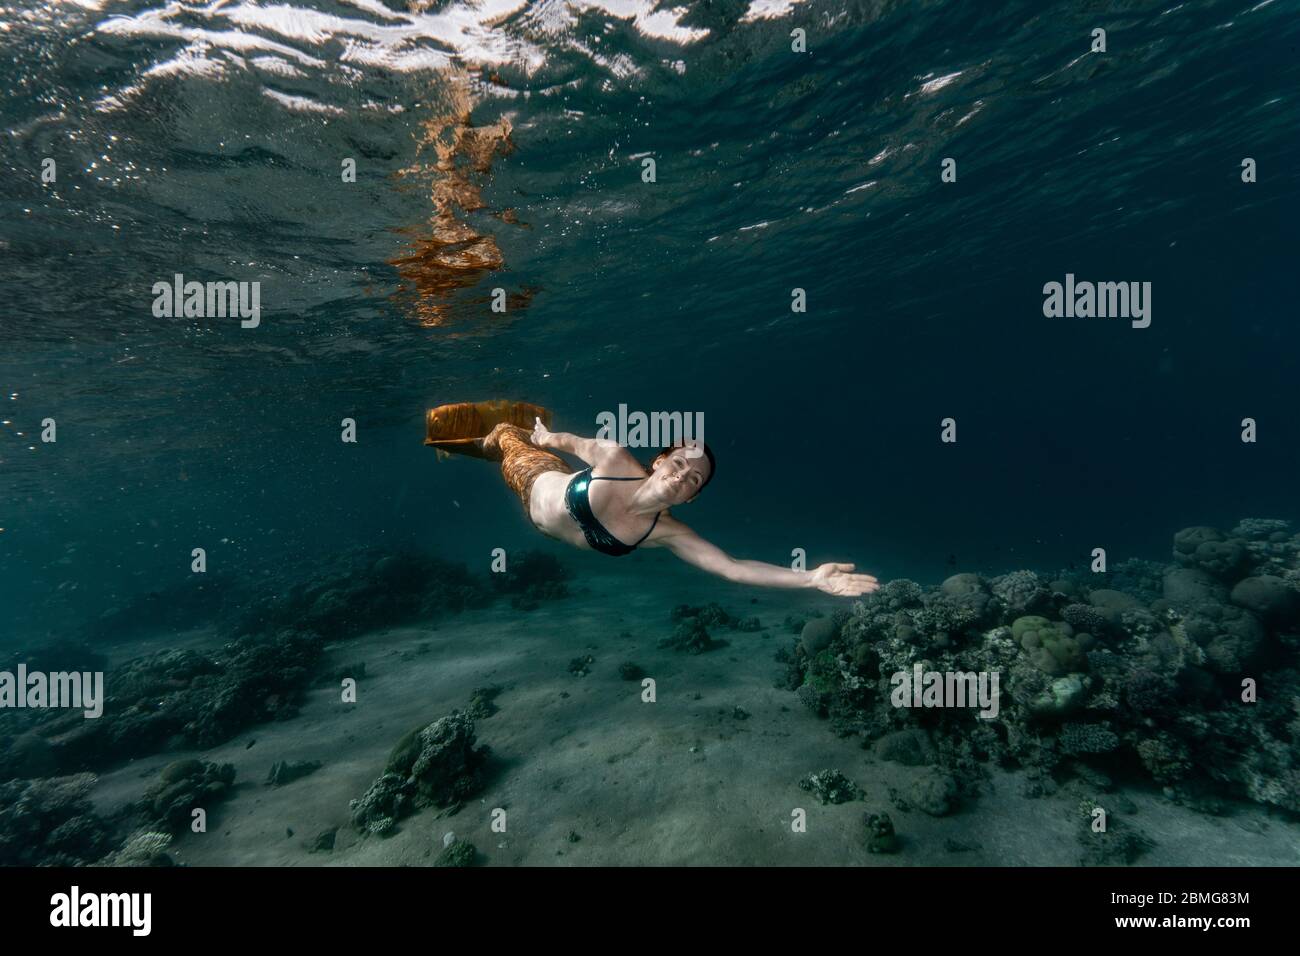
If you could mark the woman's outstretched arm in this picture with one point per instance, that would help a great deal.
(594, 451)
(836, 579)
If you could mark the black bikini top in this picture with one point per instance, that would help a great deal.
(579, 505)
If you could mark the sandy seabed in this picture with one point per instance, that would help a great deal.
(589, 774)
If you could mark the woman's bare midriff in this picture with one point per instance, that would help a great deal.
(548, 511)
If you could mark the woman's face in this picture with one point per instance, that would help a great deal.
(679, 476)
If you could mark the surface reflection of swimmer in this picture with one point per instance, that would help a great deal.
(613, 500)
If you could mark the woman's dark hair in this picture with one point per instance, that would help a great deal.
(708, 453)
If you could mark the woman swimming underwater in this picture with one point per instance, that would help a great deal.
(612, 501)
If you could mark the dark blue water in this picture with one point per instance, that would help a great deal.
(210, 143)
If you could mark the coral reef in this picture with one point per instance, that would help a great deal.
(1050, 645)
(175, 697)
(192, 699)
(1020, 591)
(1267, 595)
(1211, 551)
(50, 822)
(1125, 673)
(817, 635)
(1087, 739)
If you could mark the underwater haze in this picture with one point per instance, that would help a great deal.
(840, 257)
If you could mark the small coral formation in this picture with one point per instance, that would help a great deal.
(386, 801)
(482, 702)
(142, 848)
(1209, 550)
(691, 633)
(440, 761)
(435, 765)
(1084, 619)
(691, 636)
(457, 853)
(1050, 646)
(181, 788)
(630, 671)
(1270, 597)
(712, 615)
(1119, 844)
(1087, 739)
(1141, 669)
(1020, 591)
(879, 835)
(830, 786)
(581, 666)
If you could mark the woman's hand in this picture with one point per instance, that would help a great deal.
(541, 436)
(837, 579)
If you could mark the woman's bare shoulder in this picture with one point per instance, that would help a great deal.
(665, 528)
(615, 461)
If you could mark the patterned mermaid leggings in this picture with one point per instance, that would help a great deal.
(521, 461)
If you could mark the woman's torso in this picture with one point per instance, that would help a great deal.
(609, 501)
